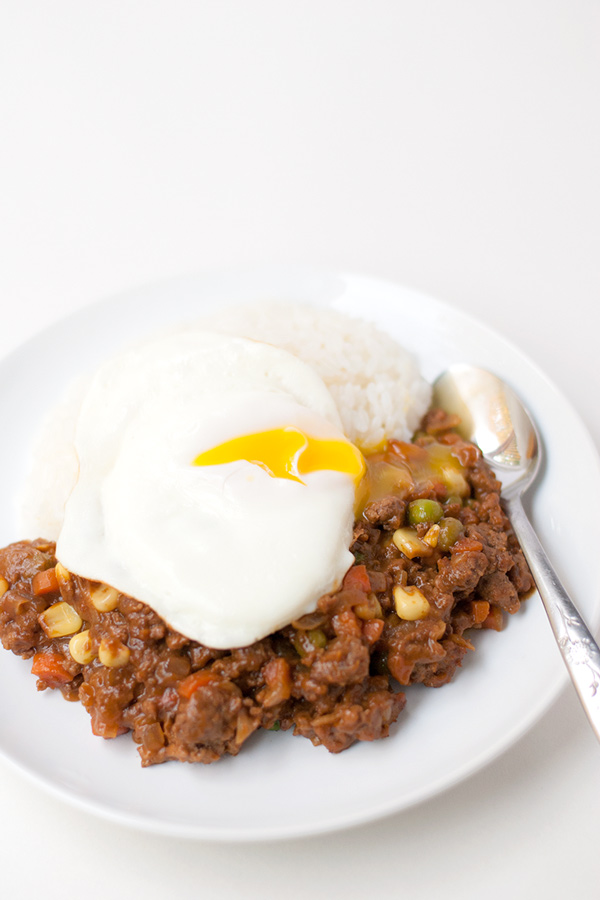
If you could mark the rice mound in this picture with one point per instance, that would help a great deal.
(374, 381)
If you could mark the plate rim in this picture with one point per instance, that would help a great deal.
(154, 824)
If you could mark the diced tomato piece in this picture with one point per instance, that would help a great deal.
(194, 681)
(50, 667)
(373, 630)
(357, 579)
(44, 582)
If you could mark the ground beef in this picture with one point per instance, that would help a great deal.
(333, 676)
(387, 512)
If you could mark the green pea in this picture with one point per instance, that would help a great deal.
(453, 500)
(317, 637)
(450, 531)
(299, 641)
(306, 642)
(428, 511)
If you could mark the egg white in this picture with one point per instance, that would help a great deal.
(226, 554)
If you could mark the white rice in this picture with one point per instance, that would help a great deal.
(374, 382)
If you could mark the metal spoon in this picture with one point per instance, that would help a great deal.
(493, 417)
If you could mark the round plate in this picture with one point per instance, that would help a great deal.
(282, 786)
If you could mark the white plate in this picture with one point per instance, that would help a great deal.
(281, 786)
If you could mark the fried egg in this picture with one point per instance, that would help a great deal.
(215, 484)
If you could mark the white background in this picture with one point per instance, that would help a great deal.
(452, 146)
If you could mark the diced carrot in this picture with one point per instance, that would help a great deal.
(194, 681)
(480, 611)
(44, 582)
(372, 630)
(50, 667)
(357, 579)
(494, 619)
(467, 545)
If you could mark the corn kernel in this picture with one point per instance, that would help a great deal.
(63, 575)
(105, 598)
(369, 610)
(59, 620)
(113, 655)
(408, 542)
(431, 538)
(3, 586)
(410, 603)
(455, 481)
(80, 648)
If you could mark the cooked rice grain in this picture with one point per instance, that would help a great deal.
(375, 382)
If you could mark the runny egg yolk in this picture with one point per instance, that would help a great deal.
(288, 453)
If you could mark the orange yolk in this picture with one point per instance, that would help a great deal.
(288, 453)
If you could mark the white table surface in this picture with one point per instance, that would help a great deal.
(450, 146)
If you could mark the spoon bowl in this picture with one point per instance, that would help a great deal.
(493, 417)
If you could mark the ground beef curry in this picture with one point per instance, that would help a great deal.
(435, 560)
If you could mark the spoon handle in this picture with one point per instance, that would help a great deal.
(579, 649)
